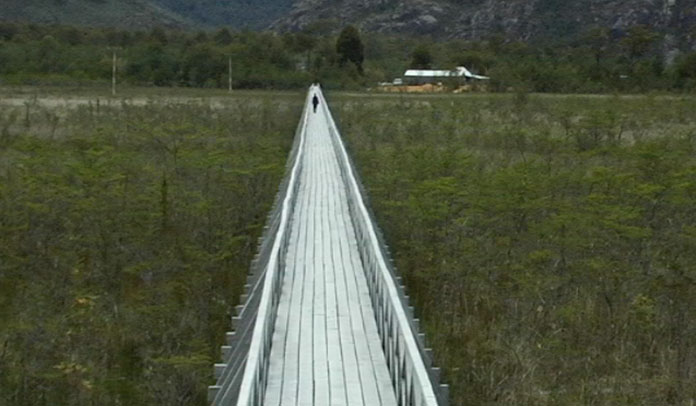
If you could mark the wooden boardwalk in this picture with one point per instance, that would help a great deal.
(324, 320)
(325, 348)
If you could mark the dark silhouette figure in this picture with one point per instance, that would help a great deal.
(315, 102)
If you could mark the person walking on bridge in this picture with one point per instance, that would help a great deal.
(315, 102)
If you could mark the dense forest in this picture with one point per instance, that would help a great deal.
(548, 242)
(596, 62)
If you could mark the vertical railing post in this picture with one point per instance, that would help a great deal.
(410, 375)
(243, 380)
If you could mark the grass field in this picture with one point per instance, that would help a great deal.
(548, 242)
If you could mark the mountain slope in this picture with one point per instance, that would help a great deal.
(144, 14)
(131, 14)
(673, 20)
(518, 19)
(255, 14)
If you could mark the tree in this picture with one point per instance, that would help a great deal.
(597, 39)
(158, 35)
(421, 58)
(223, 36)
(350, 48)
(8, 30)
(477, 60)
(204, 66)
(686, 66)
(685, 71)
(49, 54)
(638, 41)
(302, 42)
(201, 36)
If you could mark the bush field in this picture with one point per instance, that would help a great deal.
(547, 241)
(126, 232)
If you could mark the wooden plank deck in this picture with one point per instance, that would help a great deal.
(326, 350)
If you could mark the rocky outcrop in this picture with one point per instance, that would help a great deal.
(515, 19)
(673, 20)
(129, 14)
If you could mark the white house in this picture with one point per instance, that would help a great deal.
(427, 76)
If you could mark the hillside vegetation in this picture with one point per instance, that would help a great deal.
(257, 14)
(146, 14)
(548, 243)
(49, 54)
(540, 21)
(537, 21)
(133, 14)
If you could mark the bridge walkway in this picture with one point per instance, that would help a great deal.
(326, 349)
(324, 319)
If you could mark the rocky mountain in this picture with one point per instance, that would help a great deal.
(145, 14)
(673, 20)
(131, 14)
(253, 14)
(515, 19)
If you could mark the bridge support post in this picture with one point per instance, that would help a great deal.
(213, 391)
(444, 395)
(219, 369)
(225, 352)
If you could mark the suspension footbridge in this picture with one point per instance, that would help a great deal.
(324, 320)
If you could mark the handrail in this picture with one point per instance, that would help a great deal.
(252, 389)
(242, 380)
(410, 377)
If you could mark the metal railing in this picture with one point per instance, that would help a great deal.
(241, 378)
(416, 382)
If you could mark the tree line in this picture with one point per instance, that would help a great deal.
(62, 54)
(597, 61)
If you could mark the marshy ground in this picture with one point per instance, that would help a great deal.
(548, 241)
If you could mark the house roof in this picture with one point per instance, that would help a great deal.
(460, 71)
